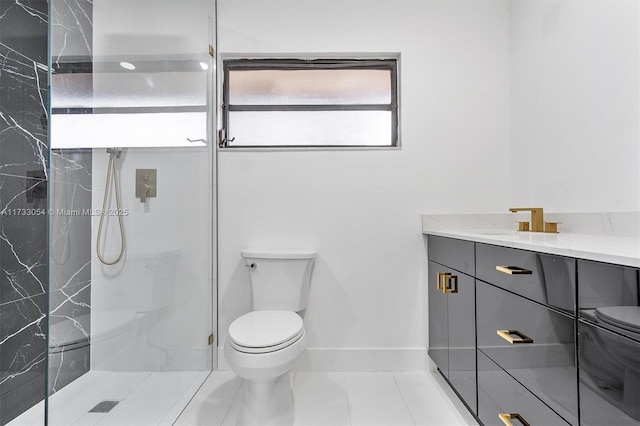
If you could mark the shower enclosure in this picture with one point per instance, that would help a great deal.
(125, 185)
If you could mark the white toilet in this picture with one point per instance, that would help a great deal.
(265, 343)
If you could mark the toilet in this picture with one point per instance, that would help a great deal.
(264, 344)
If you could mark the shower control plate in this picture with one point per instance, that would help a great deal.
(146, 183)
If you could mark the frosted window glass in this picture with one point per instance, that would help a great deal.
(311, 128)
(309, 87)
(129, 90)
(150, 89)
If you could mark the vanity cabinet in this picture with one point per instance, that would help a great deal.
(452, 344)
(524, 326)
(556, 339)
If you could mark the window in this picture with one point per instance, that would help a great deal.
(309, 103)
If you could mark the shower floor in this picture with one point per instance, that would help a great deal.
(144, 398)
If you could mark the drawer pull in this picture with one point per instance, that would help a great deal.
(513, 270)
(508, 335)
(447, 283)
(506, 418)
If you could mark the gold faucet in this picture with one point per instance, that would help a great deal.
(537, 220)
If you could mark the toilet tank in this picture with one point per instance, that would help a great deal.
(279, 278)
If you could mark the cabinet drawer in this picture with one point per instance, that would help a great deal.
(541, 354)
(498, 393)
(609, 377)
(541, 277)
(456, 254)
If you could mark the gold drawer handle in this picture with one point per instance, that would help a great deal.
(447, 283)
(513, 270)
(506, 418)
(508, 335)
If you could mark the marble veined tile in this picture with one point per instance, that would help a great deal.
(23, 355)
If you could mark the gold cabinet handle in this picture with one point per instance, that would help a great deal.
(508, 335)
(440, 280)
(451, 285)
(447, 283)
(513, 270)
(506, 418)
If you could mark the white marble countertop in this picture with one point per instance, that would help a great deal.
(604, 248)
(622, 248)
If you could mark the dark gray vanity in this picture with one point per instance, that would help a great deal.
(528, 337)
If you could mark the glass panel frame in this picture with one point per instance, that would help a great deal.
(348, 105)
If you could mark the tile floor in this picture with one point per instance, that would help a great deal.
(381, 398)
(321, 398)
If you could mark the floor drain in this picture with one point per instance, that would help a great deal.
(104, 407)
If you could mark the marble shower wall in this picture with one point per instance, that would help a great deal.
(69, 205)
(23, 204)
(69, 266)
(33, 276)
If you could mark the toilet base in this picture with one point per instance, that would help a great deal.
(267, 402)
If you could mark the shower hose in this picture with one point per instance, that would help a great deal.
(112, 169)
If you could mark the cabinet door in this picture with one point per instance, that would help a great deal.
(456, 254)
(438, 320)
(452, 331)
(462, 339)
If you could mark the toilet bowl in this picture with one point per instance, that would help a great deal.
(611, 360)
(263, 345)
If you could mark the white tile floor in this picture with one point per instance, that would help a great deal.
(401, 398)
(321, 398)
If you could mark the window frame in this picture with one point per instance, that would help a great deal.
(386, 63)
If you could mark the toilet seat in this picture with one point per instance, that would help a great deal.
(265, 331)
(623, 317)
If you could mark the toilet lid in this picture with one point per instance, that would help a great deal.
(262, 329)
(625, 317)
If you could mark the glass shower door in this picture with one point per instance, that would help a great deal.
(131, 209)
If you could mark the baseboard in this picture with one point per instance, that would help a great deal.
(355, 359)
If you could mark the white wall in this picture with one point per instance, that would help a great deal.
(574, 85)
(361, 209)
